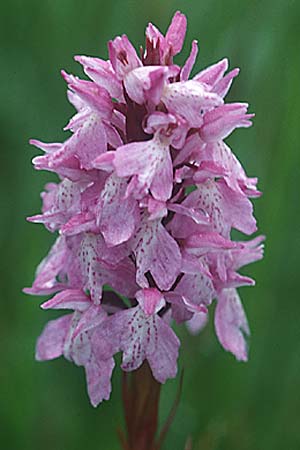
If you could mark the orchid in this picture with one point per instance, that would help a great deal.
(147, 198)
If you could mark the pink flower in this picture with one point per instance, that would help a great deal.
(140, 333)
(61, 337)
(147, 198)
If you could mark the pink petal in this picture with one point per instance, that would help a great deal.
(91, 94)
(148, 337)
(68, 299)
(231, 324)
(208, 242)
(93, 277)
(158, 252)
(193, 146)
(239, 210)
(146, 83)
(91, 317)
(154, 35)
(159, 121)
(212, 74)
(87, 143)
(155, 46)
(197, 289)
(112, 135)
(83, 111)
(112, 256)
(225, 207)
(252, 251)
(197, 323)
(163, 361)
(198, 216)
(179, 312)
(150, 161)
(59, 204)
(234, 174)
(50, 344)
(235, 280)
(138, 337)
(132, 159)
(82, 222)
(100, 265)
(162, 184)
(48, 270)
(102, 73)
(222, 87)
(171, 127)
(150, 300)
(98, 377)
(123, 56)
(188, 98)
(192, 264)
(221, 121)
(105, 161)
(117, 216)
(79, 347)
(47, 148)
(188, 66)
(75, 100)
(176, 33)
(156, 208)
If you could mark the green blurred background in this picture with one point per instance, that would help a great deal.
(225, 405)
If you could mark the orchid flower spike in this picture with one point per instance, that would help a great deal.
(147, 197)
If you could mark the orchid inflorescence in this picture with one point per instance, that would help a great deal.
(147, 198)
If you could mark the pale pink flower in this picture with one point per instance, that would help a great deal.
(147, 198)
(60, 337)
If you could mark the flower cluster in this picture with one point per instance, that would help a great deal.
(148, 195)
